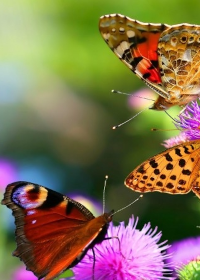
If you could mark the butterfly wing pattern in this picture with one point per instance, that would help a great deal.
(52, 230)
(166, 58)
(174, 171)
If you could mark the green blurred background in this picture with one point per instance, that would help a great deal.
(57, 111)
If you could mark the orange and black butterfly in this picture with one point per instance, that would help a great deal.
(174, 171)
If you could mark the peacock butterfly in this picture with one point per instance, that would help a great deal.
(53, 231)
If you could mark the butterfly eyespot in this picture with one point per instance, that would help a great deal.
(183, 39)
(198, 40)
(29, 196)
(113, 30)
(174, 41)
(191, 39)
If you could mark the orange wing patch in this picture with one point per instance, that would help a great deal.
(174, 171)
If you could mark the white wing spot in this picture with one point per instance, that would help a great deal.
(106, 36)
(122, 47)
(121, 29)
(135, 181)
(187, 55)
(130, 33)
(31, 212)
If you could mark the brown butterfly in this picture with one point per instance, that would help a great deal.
(174, 171)
(166, 57)
(53, 232)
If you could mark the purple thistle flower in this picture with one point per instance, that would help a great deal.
(191, 271)
(183, 252)
(189, 121)
(181, 138)
(189, 125)
(128, 254)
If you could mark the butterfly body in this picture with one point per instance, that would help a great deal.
(53, 231)
(174, 171)
(166, 58)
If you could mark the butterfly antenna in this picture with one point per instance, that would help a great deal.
(160, 129)
(117, 126)
(170, 116)
(129, 94)
(139, 197)
(104, 191)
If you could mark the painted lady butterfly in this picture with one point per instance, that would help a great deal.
(166, 58)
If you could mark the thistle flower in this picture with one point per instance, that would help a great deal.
(186, 258)
(129, 253)
(181, 138)
(188, 123)
(191, 271)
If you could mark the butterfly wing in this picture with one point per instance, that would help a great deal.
(135, 43)
(179, 60)
(52, 230)
(173, 171)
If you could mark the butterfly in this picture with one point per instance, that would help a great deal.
(174, 171)
(53, 231)
(166, 58)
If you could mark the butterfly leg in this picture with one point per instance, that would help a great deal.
(196, 187)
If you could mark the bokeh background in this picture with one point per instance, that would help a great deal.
(57, 111)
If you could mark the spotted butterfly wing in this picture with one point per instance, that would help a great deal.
(52, 230)
(166, 58)
(174, 171)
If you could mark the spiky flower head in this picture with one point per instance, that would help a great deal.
(129, 253)
(188, 123)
